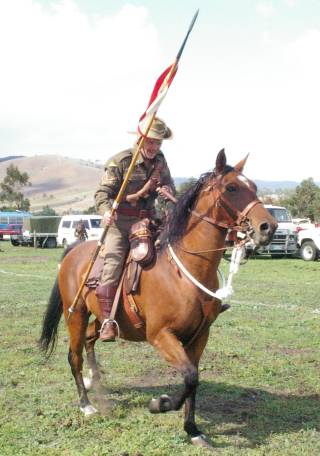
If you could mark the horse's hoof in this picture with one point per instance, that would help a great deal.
(88, 410)
(160, 405)
(201, 440)
(154, 405)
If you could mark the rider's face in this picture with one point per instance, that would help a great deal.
(151, 147)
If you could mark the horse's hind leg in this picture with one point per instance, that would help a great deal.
(91, 337)
(77, 326)
(172, 351)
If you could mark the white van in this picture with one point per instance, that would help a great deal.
(68, 224)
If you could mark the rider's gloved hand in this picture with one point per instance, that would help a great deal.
(108, 218)
(164, 190)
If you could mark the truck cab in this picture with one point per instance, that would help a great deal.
(309, 243)
(284, 241)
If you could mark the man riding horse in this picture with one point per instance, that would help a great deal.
(80, 231)
(151, 178)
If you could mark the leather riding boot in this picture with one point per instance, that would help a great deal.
(105, 295)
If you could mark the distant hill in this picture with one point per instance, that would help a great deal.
(67, 184)
(261, 184)
(276, 185)
(64, 184)
(10, 157)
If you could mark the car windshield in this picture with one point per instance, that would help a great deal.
(95, 223)
(281, 215)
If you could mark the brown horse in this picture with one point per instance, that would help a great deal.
(176, 312)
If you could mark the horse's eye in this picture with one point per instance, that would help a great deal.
(231, 188)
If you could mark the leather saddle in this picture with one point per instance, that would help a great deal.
(142, 255)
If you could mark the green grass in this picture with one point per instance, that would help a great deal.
(259, 391)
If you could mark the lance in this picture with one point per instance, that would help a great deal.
(157, 96)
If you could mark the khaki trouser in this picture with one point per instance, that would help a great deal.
(116, 248)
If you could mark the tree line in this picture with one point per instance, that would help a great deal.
(303, 201)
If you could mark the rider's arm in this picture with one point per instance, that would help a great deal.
(108, 188)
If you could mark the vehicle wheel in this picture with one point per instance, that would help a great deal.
(308, 251)
(15, 242)
(274, 256)
(51, 243)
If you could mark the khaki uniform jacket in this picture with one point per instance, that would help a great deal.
(115, 172)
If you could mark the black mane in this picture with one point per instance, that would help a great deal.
(179, 217)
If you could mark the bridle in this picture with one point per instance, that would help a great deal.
(235, 220)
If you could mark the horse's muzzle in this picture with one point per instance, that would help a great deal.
(265, 232)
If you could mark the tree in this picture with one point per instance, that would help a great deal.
(305, 201)
(46, 210)
(186, 185)
(90, 210)
(11, 189)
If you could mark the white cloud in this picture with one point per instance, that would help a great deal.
(265, 9)
(73, 84)
(290, 3)
(63, 73)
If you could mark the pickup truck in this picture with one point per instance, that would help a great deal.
(309, 243)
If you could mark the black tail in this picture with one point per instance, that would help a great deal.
(52, 316)
(51, 320)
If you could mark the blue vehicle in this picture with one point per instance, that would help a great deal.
(11, 222)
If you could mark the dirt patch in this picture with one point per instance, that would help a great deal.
(289, 351)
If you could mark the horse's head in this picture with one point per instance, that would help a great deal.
(236, 205)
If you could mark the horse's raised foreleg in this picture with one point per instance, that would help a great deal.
(173, 352)
(77, 326)
(91, 337)
(194, 353)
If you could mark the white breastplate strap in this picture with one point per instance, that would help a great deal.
(226, 290)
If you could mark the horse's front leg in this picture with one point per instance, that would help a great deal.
(173, 352)
(194, 353)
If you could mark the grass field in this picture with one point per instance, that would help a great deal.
(259, 391)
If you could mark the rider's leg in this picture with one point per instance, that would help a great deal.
(116, 248)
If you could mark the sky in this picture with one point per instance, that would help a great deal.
(76, 75)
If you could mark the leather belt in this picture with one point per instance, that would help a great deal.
(133, 212)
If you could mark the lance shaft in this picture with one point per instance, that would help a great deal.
(123, 187)
(113, 210)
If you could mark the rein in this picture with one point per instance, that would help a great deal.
(219, 294)
(235, 225)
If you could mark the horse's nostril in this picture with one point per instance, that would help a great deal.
(264, 226)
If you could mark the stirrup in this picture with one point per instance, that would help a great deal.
(109, 320)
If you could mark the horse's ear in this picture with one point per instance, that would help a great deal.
(221, 162)
(239, 166)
